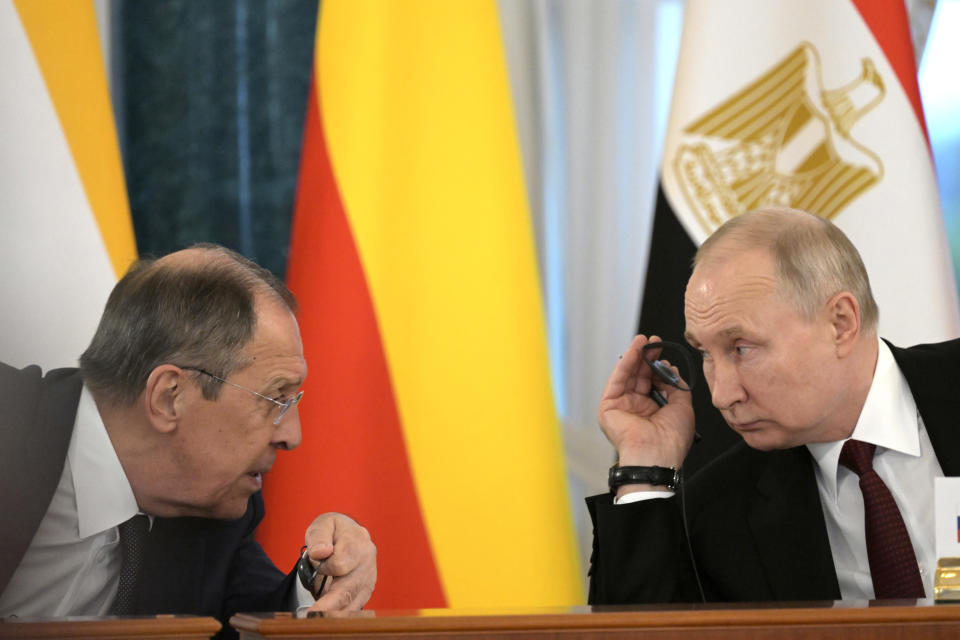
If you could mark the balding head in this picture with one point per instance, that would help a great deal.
(813, 259)
(192, 308)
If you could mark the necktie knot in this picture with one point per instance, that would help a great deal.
(857, 456)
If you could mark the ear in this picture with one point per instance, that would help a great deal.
(843, 311)
(164, 397)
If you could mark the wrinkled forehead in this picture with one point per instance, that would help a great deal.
(727, 287)
(729, 267)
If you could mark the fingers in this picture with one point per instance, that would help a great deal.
(342, 550)
(641, 413)
(343, 594)
(320, 535)
(645, 382)
(627, 375)
(345, 554)
(350, 590)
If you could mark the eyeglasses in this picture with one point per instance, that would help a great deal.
(284, 406)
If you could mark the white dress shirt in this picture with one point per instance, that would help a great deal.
(73, 562)
(72, 565)
(906, 463)
(904, 459)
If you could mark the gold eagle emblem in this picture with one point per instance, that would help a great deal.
(782, 140)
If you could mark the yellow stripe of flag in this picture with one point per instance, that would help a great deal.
(72, 66)
(416, 105)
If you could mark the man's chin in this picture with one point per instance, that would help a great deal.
(232, 506)
(232, 509)
(761, 439)
(229, 506)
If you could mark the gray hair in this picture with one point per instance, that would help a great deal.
(813, 258)
(191, 309)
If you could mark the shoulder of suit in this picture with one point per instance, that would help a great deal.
(930, 369)
(740, 469)
(33, 374)
(738, 463)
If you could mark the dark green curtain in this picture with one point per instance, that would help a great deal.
(210, 97)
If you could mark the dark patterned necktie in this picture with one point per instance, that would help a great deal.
(893, 564)
(133, 534)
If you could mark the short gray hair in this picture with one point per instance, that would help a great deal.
(813, 258)
(197, 312)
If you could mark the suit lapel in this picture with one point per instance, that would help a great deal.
(37, 427)
(945, 438)
(786, 520)
(173, 569)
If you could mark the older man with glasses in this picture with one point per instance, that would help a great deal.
(132, 485)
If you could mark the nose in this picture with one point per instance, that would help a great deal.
(286, 435)
(726, 389)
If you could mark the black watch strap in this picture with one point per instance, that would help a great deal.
(661, 476)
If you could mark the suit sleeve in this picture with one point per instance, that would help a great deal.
(254, 583)
(639, 553)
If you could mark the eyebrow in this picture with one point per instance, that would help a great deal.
(732, 331)
(279, 382)
(728, 332)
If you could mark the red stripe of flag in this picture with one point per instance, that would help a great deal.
(890, 25)
(348, 404)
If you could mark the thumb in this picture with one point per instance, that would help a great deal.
(319, 551)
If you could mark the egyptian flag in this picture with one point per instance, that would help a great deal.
(428, 414)
(65, 231)
(812, 105)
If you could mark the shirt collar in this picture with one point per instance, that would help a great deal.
(104, 496)
(888, 419)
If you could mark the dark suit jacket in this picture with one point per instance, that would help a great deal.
(757, 531)
(193, 565)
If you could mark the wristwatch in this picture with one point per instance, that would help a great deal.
(667, 477)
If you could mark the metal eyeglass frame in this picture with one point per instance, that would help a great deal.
(284, 406)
